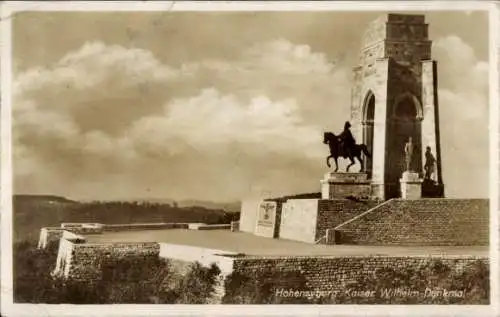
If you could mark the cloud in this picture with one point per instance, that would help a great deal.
(464, 107)
(286, 58)
(113, 122)
(212, 122)
(235, 125)
(459, 68)
(97, 64)
(283, 70)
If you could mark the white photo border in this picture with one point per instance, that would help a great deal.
(10, 8)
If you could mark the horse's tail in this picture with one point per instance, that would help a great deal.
(364, 148)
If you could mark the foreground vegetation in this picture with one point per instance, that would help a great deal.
(131, 280)
(155, 280)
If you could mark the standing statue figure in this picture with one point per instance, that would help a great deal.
(408, 153)
(430, 160)
(347, 140)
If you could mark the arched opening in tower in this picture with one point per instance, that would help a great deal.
(405, 123)
(368, 127)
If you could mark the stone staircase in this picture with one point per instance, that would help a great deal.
(439, 222)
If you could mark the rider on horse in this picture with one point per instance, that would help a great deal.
(347, 140)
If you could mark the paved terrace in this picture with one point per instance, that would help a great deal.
(249, 244)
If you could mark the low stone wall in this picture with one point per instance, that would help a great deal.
(458, 222)
(83, 261)
(53, 234)
(86, 230)
(68, 225)
(48, 235)
(73, 237)
(273, 279)
(215, 227)
(235, 226)
(83, 228)
(353, 280)
(144, 226)
(64, 258)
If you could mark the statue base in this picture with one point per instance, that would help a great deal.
(431, 189)
(411, 185)
(343, 185)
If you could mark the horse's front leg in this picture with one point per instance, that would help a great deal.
(328, 160)
(336, 165)
(362, 165)
(352, 163)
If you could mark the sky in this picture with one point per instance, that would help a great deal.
(216, 106)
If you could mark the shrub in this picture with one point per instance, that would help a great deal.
(133, 280)
(31, 272)
(262, 288)
(197, 286)
(126, 280)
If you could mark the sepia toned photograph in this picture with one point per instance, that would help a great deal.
(237, 157)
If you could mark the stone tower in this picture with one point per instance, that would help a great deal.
(394, 97)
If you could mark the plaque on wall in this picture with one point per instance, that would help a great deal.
(267, 214)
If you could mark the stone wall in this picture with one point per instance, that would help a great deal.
(332, 213)
(204, 226)
(235, 226)
(420, 222)
(248, 215)
(48, 235)
(52, 234)
(83, 228)
(298, 220)
(145, 226)
(83, 261)
(68, 225)
(337, 277)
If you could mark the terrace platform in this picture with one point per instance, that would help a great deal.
(251, 245)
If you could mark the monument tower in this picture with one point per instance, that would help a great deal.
(394, 97)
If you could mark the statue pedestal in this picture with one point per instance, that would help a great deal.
(431, 189)
(411, 185)
(342, 185)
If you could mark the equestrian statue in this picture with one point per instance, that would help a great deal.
(344, 145)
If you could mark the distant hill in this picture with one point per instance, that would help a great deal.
(42, 198)
(231, 207)
(32, 212)
(227, 206)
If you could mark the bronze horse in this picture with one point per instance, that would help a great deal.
(336, 151)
